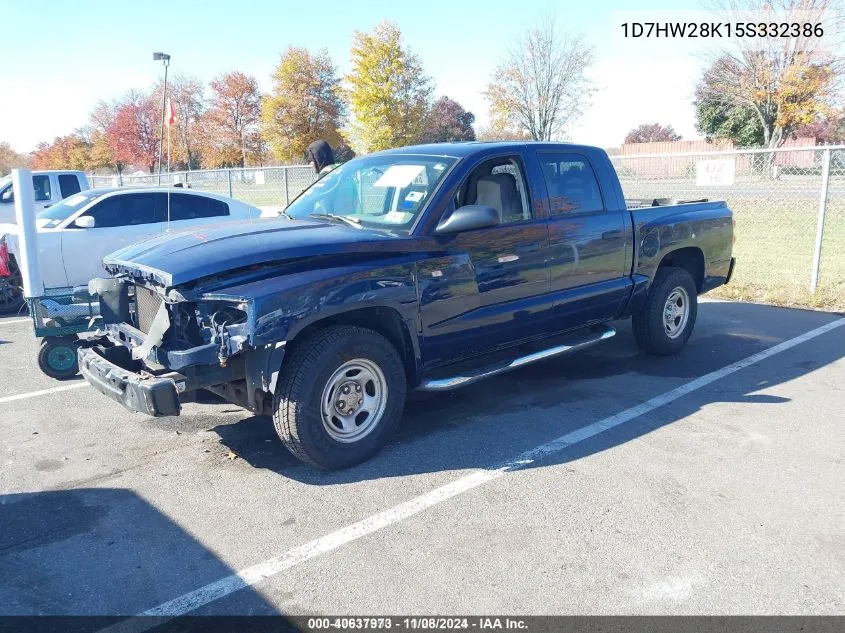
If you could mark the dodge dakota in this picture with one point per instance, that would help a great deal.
(427, 267)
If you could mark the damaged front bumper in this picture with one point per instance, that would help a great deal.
(141, 392)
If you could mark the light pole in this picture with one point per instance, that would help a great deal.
(165, 58)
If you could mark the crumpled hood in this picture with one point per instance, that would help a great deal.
(177, 258)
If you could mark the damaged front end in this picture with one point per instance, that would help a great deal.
(194, 340)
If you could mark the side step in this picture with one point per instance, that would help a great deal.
(574, 344)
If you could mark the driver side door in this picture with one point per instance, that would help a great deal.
(492, 292)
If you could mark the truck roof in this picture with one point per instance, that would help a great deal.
(467, 148)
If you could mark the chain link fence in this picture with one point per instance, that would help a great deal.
(259, 186)
(789, 207)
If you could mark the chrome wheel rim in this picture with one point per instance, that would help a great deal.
(354, 400)
(676, 312)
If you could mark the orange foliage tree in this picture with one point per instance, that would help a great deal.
(230, 124)
(64, 152)
(133, 134)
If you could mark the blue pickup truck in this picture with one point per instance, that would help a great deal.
(427, 267)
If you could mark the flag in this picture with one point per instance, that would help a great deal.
(171, 113)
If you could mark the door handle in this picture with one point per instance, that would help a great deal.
(504, 259)
(46, 206)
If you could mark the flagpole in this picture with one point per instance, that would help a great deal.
(170, 184)
(169, 125)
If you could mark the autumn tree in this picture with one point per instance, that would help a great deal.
(388, 92)
(10, 159)
(447, 121)
(305, 104)
(540, 86)
(230, 124)
(186, 94)
(64, 152)
(829, 130)
(652, 133)
(100, 120)
(134, 132)
(785, 82)
(499, 131)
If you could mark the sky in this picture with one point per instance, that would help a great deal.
(60, 57)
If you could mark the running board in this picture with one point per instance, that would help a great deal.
(467, 378)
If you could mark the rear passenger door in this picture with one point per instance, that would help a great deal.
(587, 254)
(120, 220)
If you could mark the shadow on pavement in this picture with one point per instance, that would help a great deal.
(100, 551)
(495, 420)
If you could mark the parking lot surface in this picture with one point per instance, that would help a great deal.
(680, 487)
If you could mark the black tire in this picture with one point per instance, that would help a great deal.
(57, 357)
(650, 330)
(304, 375)
(11, 291)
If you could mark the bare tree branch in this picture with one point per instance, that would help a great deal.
(541, 85)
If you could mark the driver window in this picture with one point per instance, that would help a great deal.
(41, 186)
(498, 183)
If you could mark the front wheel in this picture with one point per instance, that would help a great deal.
(665, 323)
(57, 357)
(340, 396)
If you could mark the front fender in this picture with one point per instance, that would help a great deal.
(281, 307)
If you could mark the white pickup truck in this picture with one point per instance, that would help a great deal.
(50, 187)
(75, 234)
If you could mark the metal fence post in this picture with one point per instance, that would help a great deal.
(287, 195)
(229, 176)
(817, 258)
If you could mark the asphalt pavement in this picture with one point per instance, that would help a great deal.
(604, 483)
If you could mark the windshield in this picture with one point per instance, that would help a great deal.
(51, 217)
(374, 191)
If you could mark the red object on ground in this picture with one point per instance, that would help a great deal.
(5, 271)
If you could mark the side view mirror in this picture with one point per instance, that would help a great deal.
(8, 196)
(84, 222)
(467, 218)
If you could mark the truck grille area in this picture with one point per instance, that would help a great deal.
(147, 304)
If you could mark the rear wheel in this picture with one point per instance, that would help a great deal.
(340, 396)
(665, 323)
(57, 357)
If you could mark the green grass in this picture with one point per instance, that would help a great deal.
(775, 245)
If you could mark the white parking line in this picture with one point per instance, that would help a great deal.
(41, 392)
(13, 321)
(204, 595)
